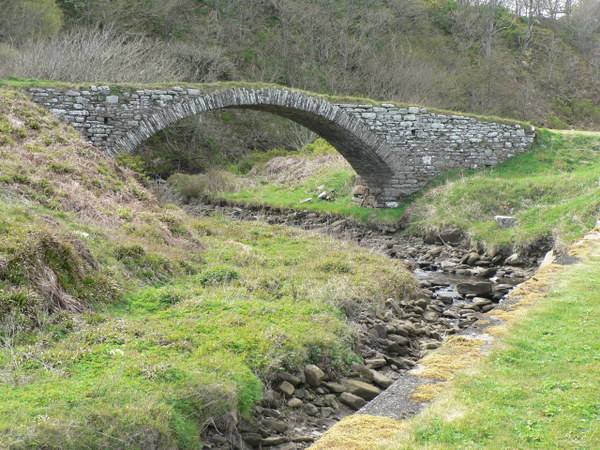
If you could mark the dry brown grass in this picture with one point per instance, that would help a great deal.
(297, 169)
(456, 353)
(428, 392)
(359, 432)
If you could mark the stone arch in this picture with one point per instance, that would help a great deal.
(362, 148)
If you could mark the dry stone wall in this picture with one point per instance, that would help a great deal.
(395, 150)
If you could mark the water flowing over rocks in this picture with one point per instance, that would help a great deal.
(460, 282)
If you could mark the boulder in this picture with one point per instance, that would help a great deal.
(506, 221)
(287, 388)
(360, 388)
(352, 401)
(314, 375)
(475, 287)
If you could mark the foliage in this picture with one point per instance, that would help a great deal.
(27, 19)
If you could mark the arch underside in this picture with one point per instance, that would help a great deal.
(352, 138)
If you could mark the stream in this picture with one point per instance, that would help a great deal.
(460, 281)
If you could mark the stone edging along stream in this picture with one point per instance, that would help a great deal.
(421, 385)
(298, 407)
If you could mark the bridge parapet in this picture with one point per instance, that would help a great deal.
(395, 150)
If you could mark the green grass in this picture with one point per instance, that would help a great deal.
(125, 323)
(540, 389)
(553, 190)
(318, 165)
(171, 356)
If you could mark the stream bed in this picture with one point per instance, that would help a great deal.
(460, 281)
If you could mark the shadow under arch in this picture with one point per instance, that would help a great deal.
(348, 134)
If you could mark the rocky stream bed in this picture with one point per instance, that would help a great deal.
(460, 281)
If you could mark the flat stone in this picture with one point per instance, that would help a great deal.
(335, 387)
(293, 379)
(381, 379)
(276, 425)
(375, 363)
(360, 388)
(352, 401)
(274, 440)
(475, 287)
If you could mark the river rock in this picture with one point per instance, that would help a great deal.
(398, 339)
(472, 258)
(278, 426)
(362, 372)
(514, 260)
(406, 329)
(360, 388)
(352, 401)
(335, 387)
(430, 316)
(381, 379)
(274, 440)
(310, 409)
(506, 221)
(287, 388)
(314, 375)
(479, 301)
(375, 363)
(293, 379)
(474, 287)
(252, 439)
(295, 403)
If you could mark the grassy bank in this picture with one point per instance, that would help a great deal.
(124, 323)
(539, 388)
(552, 190)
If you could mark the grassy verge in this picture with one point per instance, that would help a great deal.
(539, 389)
(552, 190)
(125, 323)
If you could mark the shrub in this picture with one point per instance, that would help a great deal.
(87, 54)
(217, 276)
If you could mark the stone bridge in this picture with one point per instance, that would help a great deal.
(395, 150)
